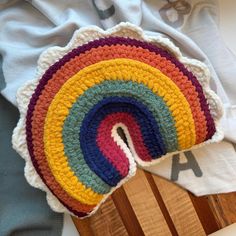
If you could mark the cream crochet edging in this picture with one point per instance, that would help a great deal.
(80, 37)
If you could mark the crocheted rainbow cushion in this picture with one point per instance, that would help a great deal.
(102, 81)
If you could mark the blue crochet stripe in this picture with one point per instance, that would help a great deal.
(88, 133)
(84, 104)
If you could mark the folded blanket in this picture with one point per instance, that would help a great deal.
(23, 210)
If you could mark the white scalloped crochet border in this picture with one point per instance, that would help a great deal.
(80, 37)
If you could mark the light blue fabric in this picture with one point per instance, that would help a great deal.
(29, 27)
(2, 80)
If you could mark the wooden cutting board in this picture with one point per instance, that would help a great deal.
(150, 205)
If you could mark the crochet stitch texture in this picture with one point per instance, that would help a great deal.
(99, 82)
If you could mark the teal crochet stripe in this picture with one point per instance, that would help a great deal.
(91, 97)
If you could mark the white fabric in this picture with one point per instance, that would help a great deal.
(29, 27)
(68, 226)
(217, 164)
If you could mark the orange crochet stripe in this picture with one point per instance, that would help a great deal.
(166, 67)
(93, 56)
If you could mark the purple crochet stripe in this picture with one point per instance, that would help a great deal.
(77, 213)
(133, 42)
(99, 43)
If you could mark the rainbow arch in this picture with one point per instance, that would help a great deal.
(107, 83)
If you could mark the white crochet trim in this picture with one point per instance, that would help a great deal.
(80, 37)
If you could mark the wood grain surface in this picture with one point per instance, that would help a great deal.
(151, 205)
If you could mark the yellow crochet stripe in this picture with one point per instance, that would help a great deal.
(116, 69)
